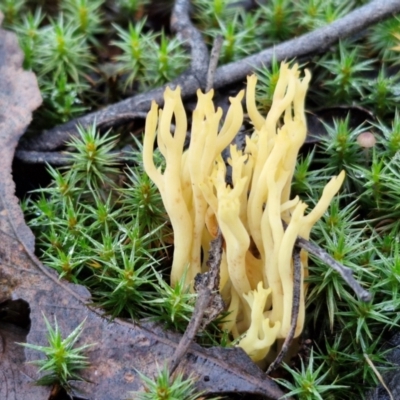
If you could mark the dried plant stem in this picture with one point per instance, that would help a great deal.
(208, 305)
(215, 52)
(345, 272)
(60, 158)
(378, 375)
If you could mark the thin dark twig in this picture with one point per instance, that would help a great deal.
(209, 303)
(60, 158)
(302, 46)
(64, 158)
(214, 58)
(121, 118)
(317, 41)
(186, 31)
(345, 272)
(378, 375)
(295, 311)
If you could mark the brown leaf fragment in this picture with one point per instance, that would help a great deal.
(19, 96)
(28, 290)
(13, 383)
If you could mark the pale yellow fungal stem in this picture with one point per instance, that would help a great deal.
(247, 172)
(251, 147)
(302, 308)
(241, 167)
(211, 223)
(269, 272)
(224, 273)
(186, 183)
(281, 87)
(233, 311)
(256, 118)
(161, 145)
(328, 193)
(260, 335)
(254, 270)
(299, 99)
(297, 130)
(219, 174)
(275, 181)
(197, 118)
(237, 244)
(200, 208)
(283, 96)
(257, 198)
(236, 161)
(175, 205)
(261, 189)
(203, 138)
(209, 152)
(236, 237)
(330, 190)
(285, 267)
(169, 183)
(204, 103)
(180, 121)
(289, 163)
(148, 146)
(167, 139)
(289, 206)
(199, 203)
(200, 166)
(276, 178)
(233, 122)
(208, 193)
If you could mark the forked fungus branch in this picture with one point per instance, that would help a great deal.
(257, 266)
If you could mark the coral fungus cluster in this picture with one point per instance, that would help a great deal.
(257, 267)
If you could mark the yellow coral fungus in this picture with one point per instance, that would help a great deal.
(257, 266)
(260, 336)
